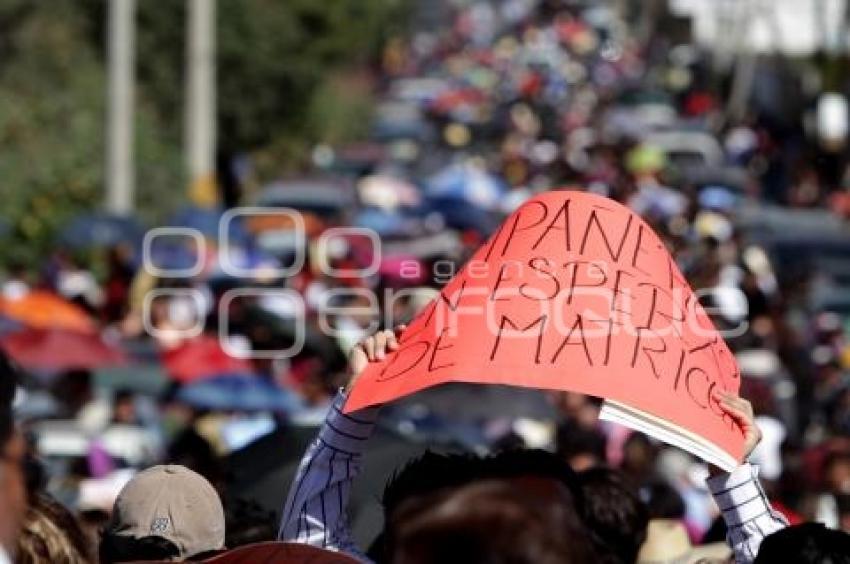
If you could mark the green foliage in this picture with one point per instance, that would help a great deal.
(51, 123)
(289, 74)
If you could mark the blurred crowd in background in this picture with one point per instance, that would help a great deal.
(481, 105)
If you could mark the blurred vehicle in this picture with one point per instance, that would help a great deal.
(396, 119)
(328, 199)
(638, 113)
(732, 178)
(808, 247)
(687, 149)
(356, 158)
(803, 257)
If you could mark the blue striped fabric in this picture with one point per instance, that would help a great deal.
(315, 510)
(746, 511)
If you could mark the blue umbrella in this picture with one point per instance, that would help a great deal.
(387, 224)
(172, 254)
(207, 221)
(238, 392)
(101, 230)
(464, 216)
(717, 198)
(468, 183)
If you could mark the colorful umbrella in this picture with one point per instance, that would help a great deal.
(200, 358)
(45, 310)
(237, 392)
(209, 222)
(58, 350)
(101, 230)
(388, 223)
(469, 183)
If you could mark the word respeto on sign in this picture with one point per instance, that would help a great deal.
(573, 292)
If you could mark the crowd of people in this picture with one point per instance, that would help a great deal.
(143, 367)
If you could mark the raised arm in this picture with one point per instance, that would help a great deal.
(316, 507)
(748, 515)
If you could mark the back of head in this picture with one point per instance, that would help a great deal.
(490, 522)
(427, 474)
(523, 463)
(614, 514)
(415, 487)
(808, 543)
(433, 472)
(163, 509)
(51, 534)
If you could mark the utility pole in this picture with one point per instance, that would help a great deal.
(745, 62)
(200, 103)
(119, 137)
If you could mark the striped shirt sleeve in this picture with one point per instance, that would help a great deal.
(315, 510)
(748, 515)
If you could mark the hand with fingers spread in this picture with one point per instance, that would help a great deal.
(371, 349)
(741, 411)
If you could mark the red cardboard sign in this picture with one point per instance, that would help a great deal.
(574, 292)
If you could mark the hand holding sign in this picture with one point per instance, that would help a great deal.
(741, 411)
(575, 292)
(371, 349)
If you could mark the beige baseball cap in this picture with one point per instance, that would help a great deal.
(174, 503)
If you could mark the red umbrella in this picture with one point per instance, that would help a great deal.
(200, 358)
(57, 350)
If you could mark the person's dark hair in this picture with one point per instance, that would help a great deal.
(535, 462)
(493, 522)
(663, 501)
(427, 474)
(639, 456)
(246, 522)
(433, 472)
(193, 451)
(573, 441)
(808, 543)
(615, 516)
(51, 533)
(119, 548)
